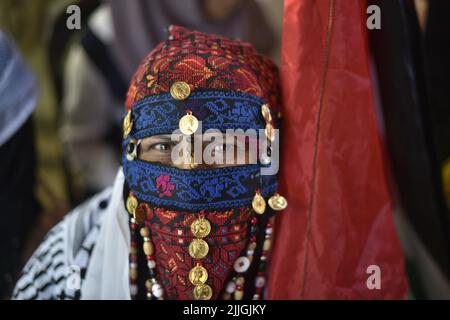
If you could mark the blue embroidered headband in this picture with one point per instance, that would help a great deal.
(160, 114)
(194, 189)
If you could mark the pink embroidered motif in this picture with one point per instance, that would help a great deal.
(163, 183)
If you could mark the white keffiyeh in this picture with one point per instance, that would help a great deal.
(85, 256)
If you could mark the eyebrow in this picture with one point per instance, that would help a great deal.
(168, 137)
(165, 137)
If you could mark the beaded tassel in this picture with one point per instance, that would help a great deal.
(260, 280)
(235, 287)
(154, 289)
(133, 260)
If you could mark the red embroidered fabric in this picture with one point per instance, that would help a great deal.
(171, 236)
(205, 61)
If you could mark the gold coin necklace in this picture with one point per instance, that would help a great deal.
(198, 249)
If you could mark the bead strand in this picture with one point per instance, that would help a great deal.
(154, 289)
(235, 287)
(133, 260)
(260, 280)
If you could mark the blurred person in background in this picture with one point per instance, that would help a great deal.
(18, 95)
(99, 67)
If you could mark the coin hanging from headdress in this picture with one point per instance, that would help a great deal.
(277, 202)
(258, 203)
(180, 90)
(131, 204)
(188, 124)
(127, 124)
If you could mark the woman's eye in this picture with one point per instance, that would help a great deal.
(226, 147)
(162, 147)
(219, 148)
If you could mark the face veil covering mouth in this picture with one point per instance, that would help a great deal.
(201, 233)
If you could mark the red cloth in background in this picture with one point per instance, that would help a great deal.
(339, 220)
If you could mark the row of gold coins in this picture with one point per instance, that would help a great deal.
(198, 249)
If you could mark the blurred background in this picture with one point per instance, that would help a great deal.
(76, 80)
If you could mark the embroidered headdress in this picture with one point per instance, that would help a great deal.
(200, 227)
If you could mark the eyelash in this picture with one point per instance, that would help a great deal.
(169, 147)
(225, 146)
(155, 146)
